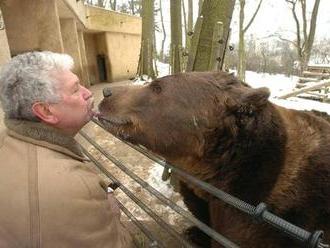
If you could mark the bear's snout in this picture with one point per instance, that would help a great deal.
(107, 92)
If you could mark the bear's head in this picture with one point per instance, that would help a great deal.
(187, 114)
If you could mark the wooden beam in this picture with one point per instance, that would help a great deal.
(316, 74)
(323, 83)
(308, 79)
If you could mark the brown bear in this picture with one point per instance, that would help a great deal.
(228, 134)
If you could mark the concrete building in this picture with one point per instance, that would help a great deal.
(104, 44)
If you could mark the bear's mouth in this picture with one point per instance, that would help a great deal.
(115, 121)
(118, 126)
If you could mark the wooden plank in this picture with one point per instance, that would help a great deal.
(313, 93)
(316, 74)
(323, 83)
(319, 68)
(308, 79)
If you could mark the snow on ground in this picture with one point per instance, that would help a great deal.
(278, 85)
(155, 180)
(163, 186)
(163, 69)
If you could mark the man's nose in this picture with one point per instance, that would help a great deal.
(107, 92)
(87, 93)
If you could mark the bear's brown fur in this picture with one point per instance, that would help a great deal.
(228, 134)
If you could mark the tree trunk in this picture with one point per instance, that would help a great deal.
(100, 3)
(113, 4)
(241, 45)
(132, 7)
(176, 36)
(214, 12)
(184, 17)
(155, 53)
(200, 6)
(304, 45)
(164, 31)
(146, 65)
(189, 24)
(264, 62)
(311, 35)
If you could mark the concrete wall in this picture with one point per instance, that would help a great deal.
(102, 49)
(4, 48)
(100, 19)
(77, 8)
(32, 25)
(71, 43)
(91, 53)
(122, 40)
(69, 26)
(84, 62)
(123, 52)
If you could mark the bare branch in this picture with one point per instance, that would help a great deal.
(286, 40)
(253, 17)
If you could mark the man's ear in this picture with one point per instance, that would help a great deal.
(256, 97)
(43, 112)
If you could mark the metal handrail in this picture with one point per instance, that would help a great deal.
(155, 242)
(209, 231)
(148, 210)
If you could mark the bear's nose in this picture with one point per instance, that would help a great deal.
(107, 92)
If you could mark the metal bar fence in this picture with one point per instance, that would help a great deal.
(260, 212)
(148, 210)
(209, 231)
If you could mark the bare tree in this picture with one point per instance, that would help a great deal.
(189, 24)
(210, 36)
(321, 52)
(164, 31)
(176, 36)
(132, 7)
(100, 3)
(113, 4)
(184, 18)
(146, 60)
(242, 30)
(200, 5)
(304, 36)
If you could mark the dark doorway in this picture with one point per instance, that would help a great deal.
(102, 69)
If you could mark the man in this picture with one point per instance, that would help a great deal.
(50, 195)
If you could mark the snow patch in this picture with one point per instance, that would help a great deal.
(155, 180)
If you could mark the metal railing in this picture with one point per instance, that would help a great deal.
(259, 213)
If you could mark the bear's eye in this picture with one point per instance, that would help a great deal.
(156, 88)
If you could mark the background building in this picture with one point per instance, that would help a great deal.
(104, 44)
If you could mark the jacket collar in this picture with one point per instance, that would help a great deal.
(40, 134)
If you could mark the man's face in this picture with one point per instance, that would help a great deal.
(75, 107)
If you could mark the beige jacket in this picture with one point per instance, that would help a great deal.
(49, 194)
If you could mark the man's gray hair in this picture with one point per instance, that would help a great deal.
(29, 78)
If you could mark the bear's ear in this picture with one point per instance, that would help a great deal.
(256, 97)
